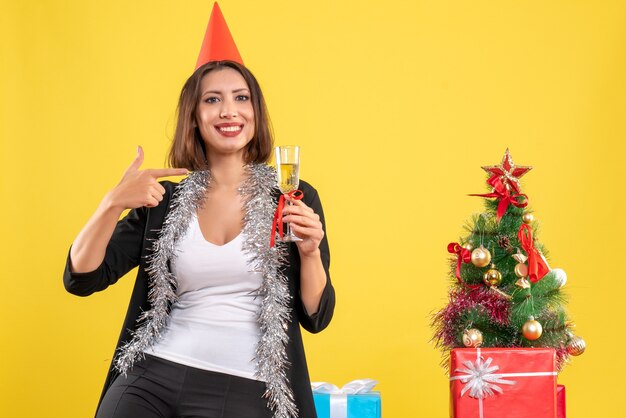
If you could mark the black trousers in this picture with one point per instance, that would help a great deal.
(156, 387)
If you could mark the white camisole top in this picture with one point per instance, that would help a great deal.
(213, 325)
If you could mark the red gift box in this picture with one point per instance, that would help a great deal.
(560, 401)
(503, 382)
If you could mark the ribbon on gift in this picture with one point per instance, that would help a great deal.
(277, 223)
(537, 264)
(506, 198)
(481, 381)
(463, 256)
(339, 397)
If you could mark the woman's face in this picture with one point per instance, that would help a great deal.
(225, 116)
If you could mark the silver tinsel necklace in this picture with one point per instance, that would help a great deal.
(274, 312)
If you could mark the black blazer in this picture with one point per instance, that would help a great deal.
(131, 243)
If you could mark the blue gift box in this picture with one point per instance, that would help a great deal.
(366, 405)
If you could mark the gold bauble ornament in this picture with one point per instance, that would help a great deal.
(481, 257)
(576, 345)
(521, 270)
(528, 217)
(492, 277)
(468, 246)
(472, 338)
(532, 330)
(523, 283)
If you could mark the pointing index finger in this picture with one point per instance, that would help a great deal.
(166, 172)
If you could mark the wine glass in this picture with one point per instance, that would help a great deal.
(288, 170)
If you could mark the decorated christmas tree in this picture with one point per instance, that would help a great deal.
(503, 292)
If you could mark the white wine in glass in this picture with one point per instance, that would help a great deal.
(288, 177)
(288, 170)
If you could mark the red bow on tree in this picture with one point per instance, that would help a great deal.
(464, 256)
(537, 266)
(506, 198)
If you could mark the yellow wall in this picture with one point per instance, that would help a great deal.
(396, 105)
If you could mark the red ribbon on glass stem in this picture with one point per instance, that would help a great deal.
(464, 256)
(506, 198)
(537, 266)
(277, 223)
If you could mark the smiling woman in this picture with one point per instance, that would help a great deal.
(213, 325)
(225, 116)
(227, 93)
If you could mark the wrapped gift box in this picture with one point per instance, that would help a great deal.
(560, 401)
(354, 400)
(503, 382)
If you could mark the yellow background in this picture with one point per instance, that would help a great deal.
(396, 105)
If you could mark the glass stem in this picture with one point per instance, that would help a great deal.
(288, 226)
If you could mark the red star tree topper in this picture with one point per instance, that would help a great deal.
(507, 172)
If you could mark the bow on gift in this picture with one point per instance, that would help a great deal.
(277, 223)
(464, 256)
(506, 198)
(480, 379)
(339, 397)
(537, 265)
